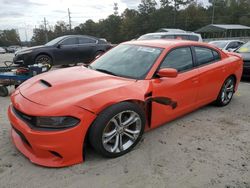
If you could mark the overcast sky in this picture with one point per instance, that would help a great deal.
(26, 14)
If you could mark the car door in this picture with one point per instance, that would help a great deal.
(172, 97)
(65, 52)
(212, 73)
(86, 49)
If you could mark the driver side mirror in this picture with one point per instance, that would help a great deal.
(167, 72)
(59, 46)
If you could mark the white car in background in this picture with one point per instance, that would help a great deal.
(227, 45)
(2, 50)
(172, 35)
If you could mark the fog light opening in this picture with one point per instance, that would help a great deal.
(56, 154)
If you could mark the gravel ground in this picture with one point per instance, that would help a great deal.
(207, 148)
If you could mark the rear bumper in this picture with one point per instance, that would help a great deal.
(51, 148)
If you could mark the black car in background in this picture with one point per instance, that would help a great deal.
(244, 50)
(70, 49)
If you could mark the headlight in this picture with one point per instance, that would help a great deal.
(56, 122)
(24, 52)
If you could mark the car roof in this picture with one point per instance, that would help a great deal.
(226, 41)
(171, 33)
(80, 36)
(166, 43)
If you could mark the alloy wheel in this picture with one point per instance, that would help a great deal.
(122, 131)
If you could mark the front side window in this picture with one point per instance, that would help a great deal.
(179, 59)
(125, 60)
(204, 55)
(69, 41)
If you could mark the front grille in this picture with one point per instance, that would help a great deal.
(30, 120)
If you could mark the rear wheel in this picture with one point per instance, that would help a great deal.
(4, 91)
(98, 54)
(226, 93)
(117, 129)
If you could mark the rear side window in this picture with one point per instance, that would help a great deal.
(168, 37)
(183, 37)
(205, 55)
(193, 37)
(83, 40)
(179, 59)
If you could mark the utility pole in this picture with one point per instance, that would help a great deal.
(69, 19)
(213, 11)
(116, 9)
(45, 27)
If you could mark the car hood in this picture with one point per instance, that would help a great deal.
(31, 48)
(75, 86)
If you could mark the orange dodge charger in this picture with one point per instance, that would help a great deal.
(135, 87)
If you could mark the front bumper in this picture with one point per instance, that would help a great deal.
(49, 148)
(25, 59)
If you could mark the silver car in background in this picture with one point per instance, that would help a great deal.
(172, 35)
(227, 45)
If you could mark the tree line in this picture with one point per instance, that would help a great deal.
(9, 37)
(149, 17)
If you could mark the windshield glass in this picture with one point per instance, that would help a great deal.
(244, 48)
(54, 41)
(219, 44)
(130, 61)
(150, 37)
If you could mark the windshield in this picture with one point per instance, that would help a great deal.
(219, 44)
(54, 41)
(130, 61)
(150, 37)
(244, 48)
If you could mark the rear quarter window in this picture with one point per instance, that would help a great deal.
(206, 55)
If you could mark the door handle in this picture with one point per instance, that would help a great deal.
(223, 69)
(195, 80)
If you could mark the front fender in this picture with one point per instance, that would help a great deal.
(99, 102)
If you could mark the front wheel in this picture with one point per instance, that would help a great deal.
(226, 93)
(117, 129)
(43, 59)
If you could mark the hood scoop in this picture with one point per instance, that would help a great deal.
(45, 83)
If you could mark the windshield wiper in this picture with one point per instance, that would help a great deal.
(106, 71)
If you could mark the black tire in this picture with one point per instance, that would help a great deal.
(220, 101)
(103, 121)
(4, 91)
(98, 53)
(44, 59)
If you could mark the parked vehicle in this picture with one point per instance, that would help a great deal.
(136, 86)
(170, 30)
(2, 50)
(63, 50)
(13, 49)
(244, 51)
(171, 35)
(228, 45)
